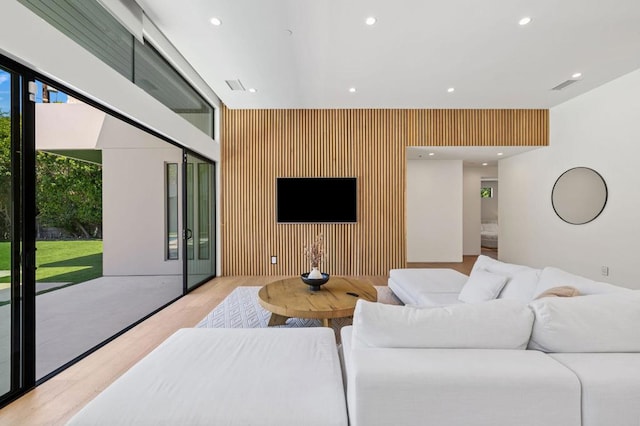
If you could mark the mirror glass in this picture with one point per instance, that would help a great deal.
(579, 195)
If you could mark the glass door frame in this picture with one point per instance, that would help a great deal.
(188, 233)
(22, 287)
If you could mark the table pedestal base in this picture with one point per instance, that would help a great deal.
(282, 320)
(277, 320)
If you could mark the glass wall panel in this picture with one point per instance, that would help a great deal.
(101, 227)
(154, 74)
(6, 228)
(200, 195)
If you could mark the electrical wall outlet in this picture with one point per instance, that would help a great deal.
(605, 271)
(274, 260)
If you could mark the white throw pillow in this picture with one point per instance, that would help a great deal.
(522, 285)
(498, 324)
(482, 286)
(522, 280)
(596, 323)
(490, 264)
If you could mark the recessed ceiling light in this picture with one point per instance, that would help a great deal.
(524, 21)
(451, 89)
(370, 20)
(485, 164)
(431, 154)
(215, 21)
(499, 154)
(352, 89)
(252, 90)
(576, 75)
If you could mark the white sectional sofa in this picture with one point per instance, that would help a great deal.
(511, 361)
(442, 287)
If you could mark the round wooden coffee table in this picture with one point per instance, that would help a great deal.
(291, 298)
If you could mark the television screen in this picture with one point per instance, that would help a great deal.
(317, 200)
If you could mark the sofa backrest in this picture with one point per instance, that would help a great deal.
(554, 277)
(522, 282)
(592, 323)
(497, 324)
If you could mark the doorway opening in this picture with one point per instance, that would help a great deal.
(489, 194)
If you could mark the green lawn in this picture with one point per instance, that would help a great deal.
(61, 261)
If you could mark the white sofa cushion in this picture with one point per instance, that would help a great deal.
(610, 386)
(498, 324)
(596, 323)
(427, 287)
(436, 300)
(482, 286)
(496, 387)
(217, 376)
(554, 277)
(522, 282)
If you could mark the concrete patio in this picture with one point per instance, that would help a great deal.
(73, 319)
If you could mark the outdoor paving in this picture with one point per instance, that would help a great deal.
(73, 319)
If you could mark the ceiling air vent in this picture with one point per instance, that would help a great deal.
(564, 84)
(235, 85)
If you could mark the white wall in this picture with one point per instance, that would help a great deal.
(133, 194)
(599, 129)
(490, 205)
(434, 211)
(67, 126)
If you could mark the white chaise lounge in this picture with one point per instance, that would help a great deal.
(229, 377)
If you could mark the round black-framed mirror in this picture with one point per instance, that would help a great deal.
(579, 195)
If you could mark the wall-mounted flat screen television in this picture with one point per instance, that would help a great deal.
(317, 200)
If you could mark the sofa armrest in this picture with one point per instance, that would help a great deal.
(459, 387)
(412, 285)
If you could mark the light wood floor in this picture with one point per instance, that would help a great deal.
(58, 399)
(464, 267)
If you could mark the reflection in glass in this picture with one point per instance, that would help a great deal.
(154, 74)
(204, 216)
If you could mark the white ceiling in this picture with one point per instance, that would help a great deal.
(308, 53)
(472, 156)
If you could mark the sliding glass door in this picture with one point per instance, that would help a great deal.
(199, 217)
(122, 220)
(6, 226)
(10, 240)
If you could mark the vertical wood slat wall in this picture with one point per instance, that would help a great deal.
(257, 146)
